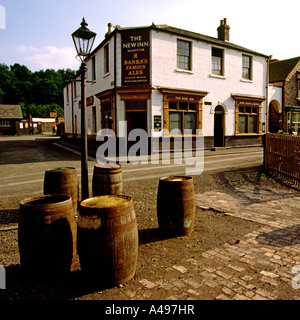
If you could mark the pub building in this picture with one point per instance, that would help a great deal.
(159, 77)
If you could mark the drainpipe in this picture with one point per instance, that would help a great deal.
(115, 83)
(267, 111)
(267, 96)
(73, 134)
(284, 124)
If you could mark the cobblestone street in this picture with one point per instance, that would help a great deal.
(253, 268)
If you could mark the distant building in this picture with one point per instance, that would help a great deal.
(9, 115)
(48, 120)
(286, 75)
(160, 77)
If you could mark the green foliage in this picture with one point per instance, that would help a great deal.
(36, 92)
(38, 111)
(282, 132)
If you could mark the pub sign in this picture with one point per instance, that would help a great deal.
(136, 58)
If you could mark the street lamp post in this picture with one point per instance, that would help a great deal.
(83, 40)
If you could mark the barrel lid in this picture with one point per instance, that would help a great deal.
(105, 201)
(61, 169)
(49, 199)
(176, 178)
(108, 166)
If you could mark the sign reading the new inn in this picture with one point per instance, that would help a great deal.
(135, 58)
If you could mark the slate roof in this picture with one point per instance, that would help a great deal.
(209, 39)
(8, 111)
(279, 70)
(180, 32)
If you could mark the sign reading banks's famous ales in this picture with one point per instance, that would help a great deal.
(135, 58)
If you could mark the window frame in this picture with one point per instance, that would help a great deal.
(244, 101)
(67, 95)
(215, 59)
(5, 123)
(245, 112)
(107, 110)
(248, 68)
(183, 111)
(94, 119)
(106, 59)
(93, 61)
(182, 65)
(75, 90)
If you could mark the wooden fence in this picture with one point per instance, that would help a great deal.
(282, 157)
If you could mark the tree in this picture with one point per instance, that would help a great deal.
(7, 85)
(21, 72)
(37, 92)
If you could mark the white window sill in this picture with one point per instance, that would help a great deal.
(246, 80)
(106, 75)
(184, 71)
(217, 76)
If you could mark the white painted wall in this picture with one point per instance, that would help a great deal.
(275, 93)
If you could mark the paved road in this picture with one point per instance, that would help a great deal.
(23, 161)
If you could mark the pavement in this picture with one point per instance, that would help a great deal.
(75, 146)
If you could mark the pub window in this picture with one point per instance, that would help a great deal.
(217, 63)
(247, 67)
(106, 59)
(93, 68)
(107, 116)
(184, 55)
(182, 116)
(248, 119)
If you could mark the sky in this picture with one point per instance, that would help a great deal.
(37, 33)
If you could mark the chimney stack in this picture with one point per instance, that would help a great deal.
(223, 30)
(110, 26)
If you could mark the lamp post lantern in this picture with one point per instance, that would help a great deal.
(83, 40)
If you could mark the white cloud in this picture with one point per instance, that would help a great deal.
(49, 57)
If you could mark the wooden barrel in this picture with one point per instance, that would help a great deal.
(47, 235)
(62, 181)
(176, 205)
(107, 179)
(108, 238)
